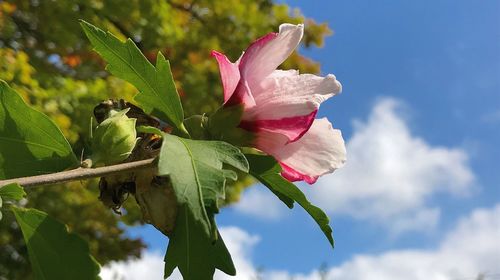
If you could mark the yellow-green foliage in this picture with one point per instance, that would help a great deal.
(45, 56)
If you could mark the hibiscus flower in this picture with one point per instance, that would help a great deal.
(280, 106)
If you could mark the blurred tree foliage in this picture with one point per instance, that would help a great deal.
(45, 56)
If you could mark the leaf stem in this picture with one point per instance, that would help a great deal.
(80, 174)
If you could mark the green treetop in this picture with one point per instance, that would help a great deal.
(46, 57)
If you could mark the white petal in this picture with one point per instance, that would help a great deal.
(320, 151)
(286, 94)
(268, 52)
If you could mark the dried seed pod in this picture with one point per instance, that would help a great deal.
(157, 201)
(154, 194)
(108, 107)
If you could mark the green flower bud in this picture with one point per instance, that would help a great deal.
(113, 139)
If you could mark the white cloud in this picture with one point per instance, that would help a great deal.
(150, 265)
(472, 247)
(389, 177)
(240, 244)
(390, 174)
(259, 202)
(415, 220)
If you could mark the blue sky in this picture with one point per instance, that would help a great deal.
(421, 96)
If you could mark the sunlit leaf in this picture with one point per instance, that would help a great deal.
(196, 170)
(197, 174)
(30, 143)
(157, 93)
(267, 170)
(193, 252)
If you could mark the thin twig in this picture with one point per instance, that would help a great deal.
(189, 9)
(80, 174)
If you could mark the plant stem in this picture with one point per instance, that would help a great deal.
(80, 174)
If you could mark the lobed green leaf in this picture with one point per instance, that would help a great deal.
(195, 168)
(53, 252)
(157, 93)
(267, 170)
(30, 143)
(196, 255)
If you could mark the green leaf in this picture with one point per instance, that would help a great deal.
(223, 125)
(157, 93)
(30, 143)
(196, 171)
(54, 253)
(225, 118)
(196, 255)
(195, 125)
(267, 170)
(12, 191)
(149, 129)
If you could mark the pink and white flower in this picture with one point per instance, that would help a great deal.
(280, 106)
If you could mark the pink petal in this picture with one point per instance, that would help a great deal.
(267, 53)
(292, 127)
(242, 95)
(229, 74)
(320, 151)
(292, 175)
(287, 103)
(287, 94)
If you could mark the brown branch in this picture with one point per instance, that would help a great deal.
(125, 32)
(80, 174)
(188, 9)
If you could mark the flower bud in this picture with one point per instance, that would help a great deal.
(114, 139)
